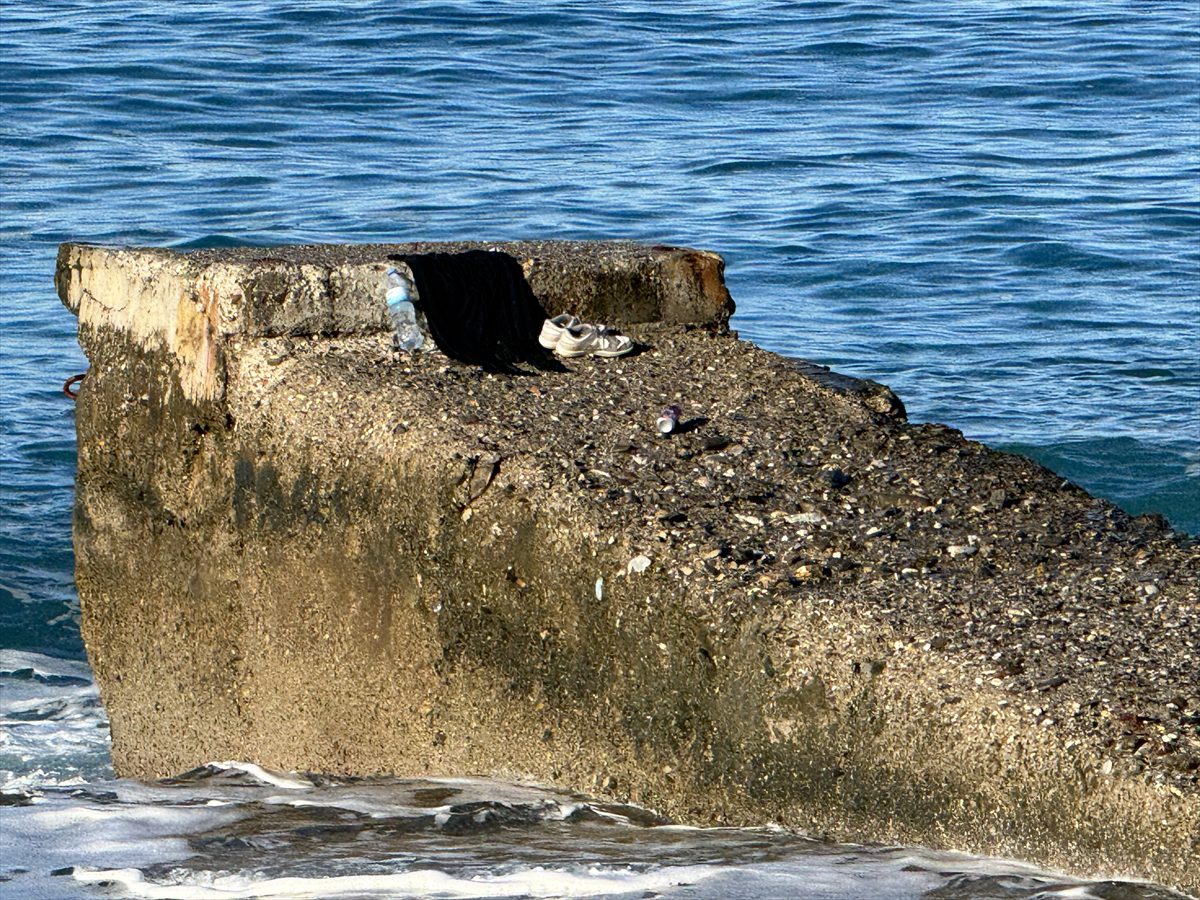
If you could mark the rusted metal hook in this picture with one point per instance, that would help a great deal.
(71, 382)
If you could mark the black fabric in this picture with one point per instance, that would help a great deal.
(479, 308)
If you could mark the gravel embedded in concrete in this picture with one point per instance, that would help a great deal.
(1081, 617)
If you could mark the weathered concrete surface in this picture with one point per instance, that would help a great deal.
(295, 548)
(191, 304)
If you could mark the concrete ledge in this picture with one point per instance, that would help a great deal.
(191, 303)
(800, 609)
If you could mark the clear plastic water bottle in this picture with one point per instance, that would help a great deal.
(406, 334)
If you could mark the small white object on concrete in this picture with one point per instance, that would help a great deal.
(638, 565)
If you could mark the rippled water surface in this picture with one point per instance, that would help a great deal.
(992, 207)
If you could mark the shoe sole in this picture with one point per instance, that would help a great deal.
(608, 354)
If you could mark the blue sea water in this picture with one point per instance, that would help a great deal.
(992, 207)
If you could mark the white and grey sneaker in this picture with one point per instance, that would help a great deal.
(553, 329)
(594, 340)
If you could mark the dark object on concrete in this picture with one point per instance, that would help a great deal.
(480, 308)
(294, 548)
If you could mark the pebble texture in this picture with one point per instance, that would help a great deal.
(798, 608)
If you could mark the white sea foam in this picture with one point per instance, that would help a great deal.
(532, 882)
(60, 831)
(384, 798)
(261, 775)
(848, 876)
(12, 661)
(53, 729)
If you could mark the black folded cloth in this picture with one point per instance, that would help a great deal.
(480, 309)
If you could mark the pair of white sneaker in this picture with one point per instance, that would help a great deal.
(567, 336)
